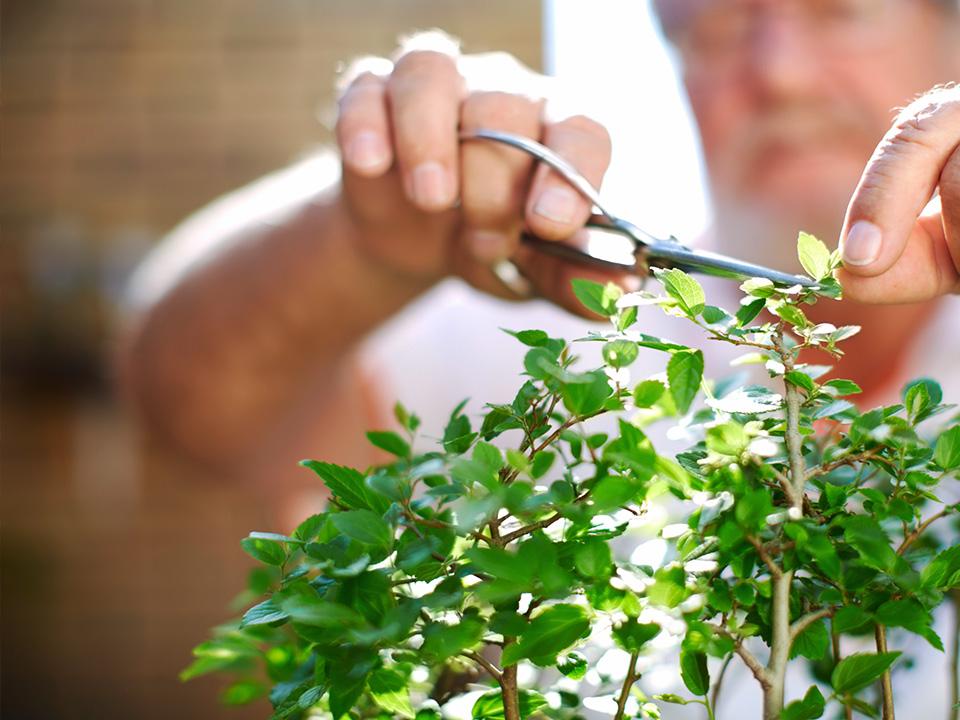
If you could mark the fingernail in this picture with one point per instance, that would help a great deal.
(431, 185)
(862, 245)
(631, 283)
(489, 246)
(367, 151)
(557, 204)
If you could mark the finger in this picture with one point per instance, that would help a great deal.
(950, 210)
(554, 209)
(424, 94)
(495, 178)
(926, 269)
(552, 277)
(898, 182)
(362, 130)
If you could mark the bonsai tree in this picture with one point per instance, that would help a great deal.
(477, 578)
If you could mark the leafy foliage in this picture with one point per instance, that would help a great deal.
(430, 580)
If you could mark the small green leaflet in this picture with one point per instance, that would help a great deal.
(620, 353)
(684, 289)
(552, 631)
(810, 707)
(490, 705)
(693, 671)
(814, 256)
(364, 526)
(856, 671)
(389, 441)
(347, 485)
(684, 373)
(389, 690)
(601, 299)
(266, 551)
(947, 452)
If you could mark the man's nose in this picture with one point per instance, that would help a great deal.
(783, 59)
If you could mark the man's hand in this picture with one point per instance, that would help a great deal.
(430, 206)
(898, 244)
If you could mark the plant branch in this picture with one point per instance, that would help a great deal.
(484, 663)
(749, 659)
(802, 623)
(912, 537)
(886, 687)
(628, 682)
(775, 570)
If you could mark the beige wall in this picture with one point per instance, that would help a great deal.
(120, 117)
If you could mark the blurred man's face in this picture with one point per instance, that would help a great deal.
(792, 96)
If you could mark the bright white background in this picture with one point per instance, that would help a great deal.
(620, 71)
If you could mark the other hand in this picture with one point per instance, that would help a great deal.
(899, 245)
(430, 206)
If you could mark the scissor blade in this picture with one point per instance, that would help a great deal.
(674, 255)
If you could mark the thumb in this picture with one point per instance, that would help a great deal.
(898, 182)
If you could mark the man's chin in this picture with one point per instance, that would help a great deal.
(801, 183)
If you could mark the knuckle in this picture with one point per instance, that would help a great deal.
(950, 178)
(496, 108)
(426, 63)
(589, 128)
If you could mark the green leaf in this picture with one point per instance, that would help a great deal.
(601, 299)
(856, 671)
(947, 452)
(693, 671)
(588, 396)
(530, 338)
(364, 526)
(851, 619)
(810, 707)
(347, 486)
(308, 608)
(684, 289)
(490, 705)
(243, 692)
(812, 643)
(457, 435)
(684, 373)
(310, 698)
(620, 353)
(442, 641)
(389, 441)
(843, 387)
(389, 690)
(632, 635)
(911, 615)
(574, 666)
(542, 462)
(501, 564)
(814, 256)
(801, 380)
(870, 541)
(592, 558)
(759, 288)
(646, 393)
(549, 633)
(263, 613)
(269, 552)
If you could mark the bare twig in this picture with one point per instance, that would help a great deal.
(802, 623)
(484, 663)
(912, 537)
(628, 682)
(775, 570)
(886, 687)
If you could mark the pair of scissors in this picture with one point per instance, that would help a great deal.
(648, 251)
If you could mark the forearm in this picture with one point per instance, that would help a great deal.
(236, 340)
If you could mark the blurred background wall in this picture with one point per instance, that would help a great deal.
(119, 117)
